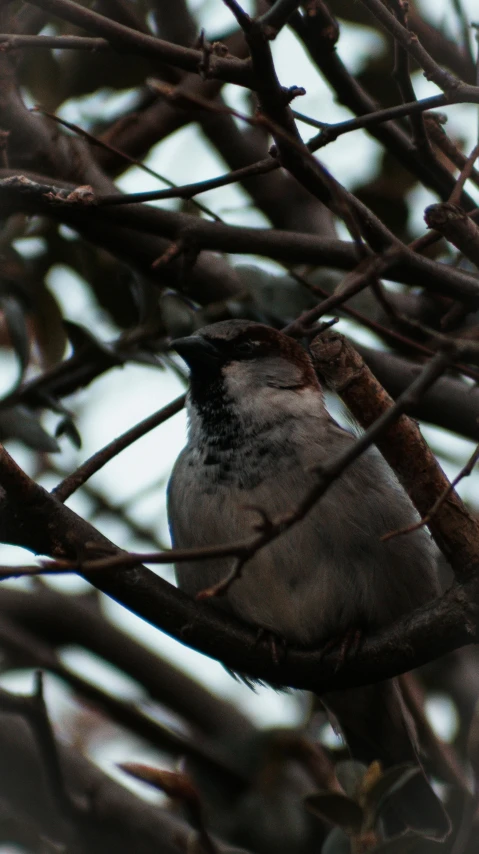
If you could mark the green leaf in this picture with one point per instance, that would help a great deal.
(337, 808)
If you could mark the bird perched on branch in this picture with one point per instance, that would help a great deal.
(258, 433)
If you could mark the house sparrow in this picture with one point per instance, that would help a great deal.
(258, 428)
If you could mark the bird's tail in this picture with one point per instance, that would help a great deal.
(377, 726)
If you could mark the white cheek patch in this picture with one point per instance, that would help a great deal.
(259, 390)
(272, 371)
(239, 379)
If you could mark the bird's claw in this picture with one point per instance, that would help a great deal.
(348, 645)
(277, 644)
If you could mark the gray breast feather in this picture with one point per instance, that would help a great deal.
(327, 573)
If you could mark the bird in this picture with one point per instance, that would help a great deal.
(258, 432)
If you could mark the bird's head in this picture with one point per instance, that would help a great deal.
(250, 368)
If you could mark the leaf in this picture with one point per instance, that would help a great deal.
(350, 775)
(16, 323)
(389, 782)
(337, 808)
(80, 338)
(66, 427)
(48, 327)
(18, 422)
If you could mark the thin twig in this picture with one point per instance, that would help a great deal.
(329, 133)
(403, 79)
(30, 571)
(446, 145)
(188, 191)
(410, 42)
(464, 176)
(354, 282)
(383, 331)
(181, 787)
(275, 18)
(100, 143)
(454, 528)
(13, 41)
(76, 479)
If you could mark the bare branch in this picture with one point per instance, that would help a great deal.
(122, 38)
(454, 224)
(409, 41)
(275, 18)
(75, 480)
(441, 626)
(22, 193)
(12, 41)
(453, 527)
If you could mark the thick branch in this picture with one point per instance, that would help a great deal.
(450, 403)
(441, 626)
(115, 816)
(452, 526)
(457, 227)
(64, 619)
(103, 226)
(33, 651)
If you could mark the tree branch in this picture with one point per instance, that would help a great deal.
(27, 195)
(76, 479)
(452, 526)
(122, 38)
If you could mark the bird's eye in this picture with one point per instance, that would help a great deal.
(245, 347)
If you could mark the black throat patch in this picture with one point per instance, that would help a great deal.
(222, 428)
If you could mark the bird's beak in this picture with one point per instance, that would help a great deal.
(196, 350)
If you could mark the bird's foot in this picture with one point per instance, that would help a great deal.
(348, 645)
(277, 644)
